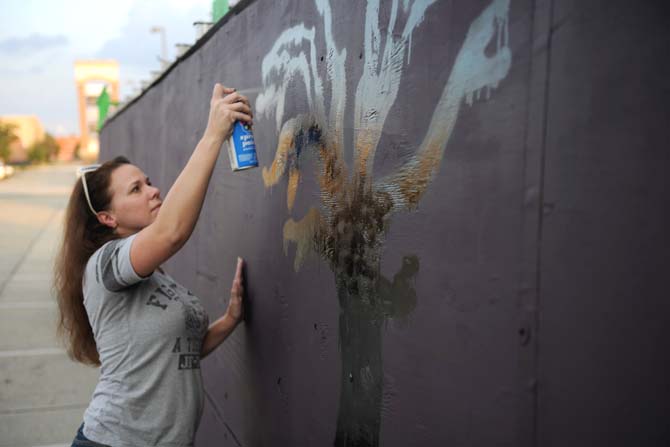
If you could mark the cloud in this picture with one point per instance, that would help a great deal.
(50, 94)
(34, 42)
(8, 71)
(45, 58)
(137, 47)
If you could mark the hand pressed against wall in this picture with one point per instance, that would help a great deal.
(235, 309)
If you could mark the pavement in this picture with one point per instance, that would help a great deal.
(43, 394)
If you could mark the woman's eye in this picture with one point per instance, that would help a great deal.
(136, 188)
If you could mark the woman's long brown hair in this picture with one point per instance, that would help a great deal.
(83, 234)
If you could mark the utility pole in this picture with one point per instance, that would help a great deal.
(163, 57)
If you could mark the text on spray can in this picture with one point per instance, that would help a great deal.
(242, 148)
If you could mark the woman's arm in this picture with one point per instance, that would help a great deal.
(180, 210)
(217, 333)
(224, 326)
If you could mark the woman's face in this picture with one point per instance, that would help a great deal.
(135, 202)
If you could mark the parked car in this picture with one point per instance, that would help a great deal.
(5, 170)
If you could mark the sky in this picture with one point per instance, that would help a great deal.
(41, 39)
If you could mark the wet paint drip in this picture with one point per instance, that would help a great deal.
(242, 148)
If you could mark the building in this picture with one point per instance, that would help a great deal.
(68, 147)
(29, 130)
(92, 76)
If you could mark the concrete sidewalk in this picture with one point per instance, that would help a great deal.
(43, 394)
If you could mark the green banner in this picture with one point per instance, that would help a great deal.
(219, 9)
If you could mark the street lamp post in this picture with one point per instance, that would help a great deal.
(163, 57)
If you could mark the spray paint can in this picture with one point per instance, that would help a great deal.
(242, 148)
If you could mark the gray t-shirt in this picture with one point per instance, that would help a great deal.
(149, 333)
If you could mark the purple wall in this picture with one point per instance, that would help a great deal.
(455, 235)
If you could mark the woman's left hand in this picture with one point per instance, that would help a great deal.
(235, 309)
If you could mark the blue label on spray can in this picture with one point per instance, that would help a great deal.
(242, 148)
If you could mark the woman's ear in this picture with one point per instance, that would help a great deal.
(107, 219)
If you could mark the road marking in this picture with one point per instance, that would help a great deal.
(31, 247)
(38, 408)
(28, 305)
(29, 352)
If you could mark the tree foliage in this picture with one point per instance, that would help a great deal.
(7, 136)
(44, 150)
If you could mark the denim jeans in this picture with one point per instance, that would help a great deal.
(82, 441)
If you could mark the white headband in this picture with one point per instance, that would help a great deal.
(82, 172)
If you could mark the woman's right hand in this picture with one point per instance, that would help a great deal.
(235, 308)
(226, 107)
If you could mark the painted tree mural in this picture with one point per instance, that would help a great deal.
(347, 227)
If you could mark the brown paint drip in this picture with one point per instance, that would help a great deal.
(293, 179)
(302, 233)
(413, 181)
(332, 176)
(286, 144)
(363, 151)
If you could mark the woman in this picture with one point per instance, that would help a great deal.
(119, 310)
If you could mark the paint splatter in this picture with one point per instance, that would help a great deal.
(348, 225)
